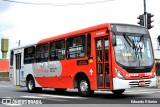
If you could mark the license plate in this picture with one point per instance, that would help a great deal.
(141, 83)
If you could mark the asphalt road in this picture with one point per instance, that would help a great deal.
(20, 97)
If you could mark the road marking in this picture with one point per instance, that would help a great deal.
(6, 97)
(60, 96)
(55, 99)
(143, 90)
(139, 93)
(13, 104)
(131, 91)
(44, 97)
(32, 97)
(6, 86)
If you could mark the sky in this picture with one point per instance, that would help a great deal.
(30, 23)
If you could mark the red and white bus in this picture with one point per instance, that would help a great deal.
(104, 57)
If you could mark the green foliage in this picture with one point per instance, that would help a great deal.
(158, 69)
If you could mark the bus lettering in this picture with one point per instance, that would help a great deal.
(132, 75)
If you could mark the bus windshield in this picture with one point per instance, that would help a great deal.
(133, 50)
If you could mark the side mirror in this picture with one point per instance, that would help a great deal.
(114, 43)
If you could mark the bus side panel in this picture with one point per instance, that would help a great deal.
(11, 74)
(28, 69)
(66, 79)
(70, 69)
(47, 82)
(65, 82)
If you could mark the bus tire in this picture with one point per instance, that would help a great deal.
(31, 86)
(84, 87)
(60, 90)
(118, 92)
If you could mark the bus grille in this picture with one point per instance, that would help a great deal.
(136, 83)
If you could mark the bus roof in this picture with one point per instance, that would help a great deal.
(82, 31)
(77, 32)
(23, 46)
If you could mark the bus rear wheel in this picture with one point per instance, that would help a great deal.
(118, 92)
(84, 87)
(31, 86)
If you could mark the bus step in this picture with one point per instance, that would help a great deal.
(18, 86)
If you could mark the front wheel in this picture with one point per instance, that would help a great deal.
(31, 86)
(118, 92)
(84, 87)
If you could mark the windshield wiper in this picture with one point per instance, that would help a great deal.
(142, 37)
(141, 46)
(131, 44)
(129, 41)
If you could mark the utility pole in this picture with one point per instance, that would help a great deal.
(145, 14)
(158, 40)
(145, 18)
(19, 42)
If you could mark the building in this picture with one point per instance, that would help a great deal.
(4, 62)
(4, 65)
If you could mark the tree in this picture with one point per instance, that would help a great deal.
(158, 39)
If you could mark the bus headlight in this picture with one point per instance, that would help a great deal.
(119, 74)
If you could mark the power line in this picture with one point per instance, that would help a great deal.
(58, 4)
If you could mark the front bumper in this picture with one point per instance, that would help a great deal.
(124, 84)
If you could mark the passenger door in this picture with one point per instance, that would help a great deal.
(103, 73)
(18, 68)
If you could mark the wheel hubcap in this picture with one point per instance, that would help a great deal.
(83, 86)
(30, 85)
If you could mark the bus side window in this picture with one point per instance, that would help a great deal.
(29, 55)
(11, 57)
(89, 45)
(76, 47)
(57, 50)
(42, 53)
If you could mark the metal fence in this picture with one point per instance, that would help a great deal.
(4, 79)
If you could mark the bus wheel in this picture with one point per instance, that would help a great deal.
(60, 90)
(118, 92)
(31, 86)
(84, 87)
